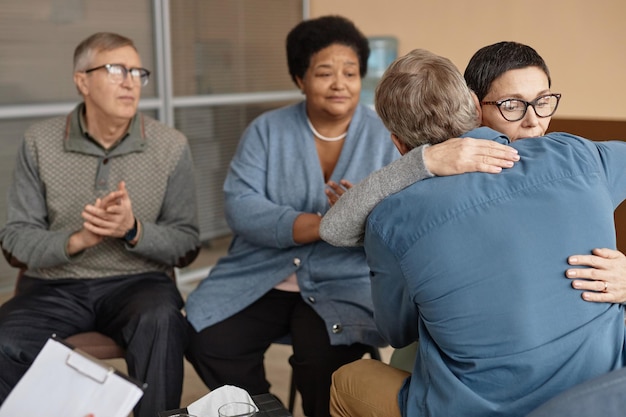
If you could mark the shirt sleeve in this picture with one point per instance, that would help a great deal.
(395, 314)
(250, 213)
(174, 238)
(344, 223)
(613, 159)
(26, 238)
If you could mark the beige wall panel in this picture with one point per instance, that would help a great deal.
(583, 42)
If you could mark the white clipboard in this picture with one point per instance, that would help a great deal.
(65, 382)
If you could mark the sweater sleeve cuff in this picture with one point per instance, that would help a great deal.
(421, 162)
(284, 229)
(67, 257)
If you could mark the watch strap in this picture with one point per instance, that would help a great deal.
(131, 233)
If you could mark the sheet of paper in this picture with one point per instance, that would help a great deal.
(63, 382)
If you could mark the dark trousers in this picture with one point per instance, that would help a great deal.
(141, 312)
(232, 351)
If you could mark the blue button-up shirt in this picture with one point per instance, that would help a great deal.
(473, 266)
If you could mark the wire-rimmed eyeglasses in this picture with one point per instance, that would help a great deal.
(117, 73)
(514, 109)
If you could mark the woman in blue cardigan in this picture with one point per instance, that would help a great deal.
(278, 277)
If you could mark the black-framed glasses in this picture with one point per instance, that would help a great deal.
(117, 73)
(514, 109)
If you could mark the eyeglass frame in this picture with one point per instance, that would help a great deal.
(125, 72)
(533, 103)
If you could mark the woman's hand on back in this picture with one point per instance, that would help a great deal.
(604, 281)
(461, 155)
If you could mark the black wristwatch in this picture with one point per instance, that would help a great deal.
(131, 233)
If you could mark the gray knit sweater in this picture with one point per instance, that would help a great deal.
(59, 170)
(344, 223)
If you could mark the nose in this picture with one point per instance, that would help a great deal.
(127, 80)
(339, 82)
(530, 118)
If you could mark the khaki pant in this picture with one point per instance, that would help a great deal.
(366, 388)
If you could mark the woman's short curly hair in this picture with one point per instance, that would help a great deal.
(311, 36)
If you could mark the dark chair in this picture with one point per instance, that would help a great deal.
(97, 345)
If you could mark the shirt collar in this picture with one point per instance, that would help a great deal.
(487, 133)
(77, 138)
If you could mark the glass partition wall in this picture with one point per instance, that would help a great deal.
(216, 64)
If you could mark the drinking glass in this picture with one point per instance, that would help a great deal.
(237, 409)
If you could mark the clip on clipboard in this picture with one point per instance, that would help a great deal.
(66, 382)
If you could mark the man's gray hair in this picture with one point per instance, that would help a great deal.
(422, 98)
(101, 41)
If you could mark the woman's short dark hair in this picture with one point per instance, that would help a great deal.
(311, 36)
(492, 61)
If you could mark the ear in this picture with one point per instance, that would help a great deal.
(300, 84)
(80, 80)
(400, 146)
(479, 109)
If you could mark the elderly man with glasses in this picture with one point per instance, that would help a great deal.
(101, 209)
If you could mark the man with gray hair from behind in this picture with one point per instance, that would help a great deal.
(472, 265)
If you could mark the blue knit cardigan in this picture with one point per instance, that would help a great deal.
(275, 176)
